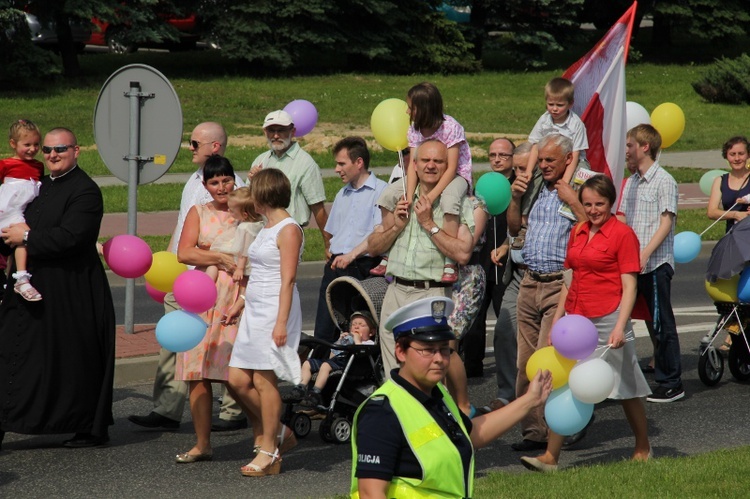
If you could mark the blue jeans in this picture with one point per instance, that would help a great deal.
(656, 288)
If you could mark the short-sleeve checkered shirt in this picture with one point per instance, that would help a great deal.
(644, 199)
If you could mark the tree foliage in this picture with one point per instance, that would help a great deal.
(389, 35)
(726, 81)
(529, 28)
(20, 60)
(720, 21)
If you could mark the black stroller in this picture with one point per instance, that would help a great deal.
(346, 389)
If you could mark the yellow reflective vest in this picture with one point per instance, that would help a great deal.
(442, 468)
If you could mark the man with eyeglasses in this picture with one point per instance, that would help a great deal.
(416, 242)
(474, 342)
(57, 357)
(409, 439)
(308, 194)
(207, 139)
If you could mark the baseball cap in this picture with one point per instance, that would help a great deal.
(280, 117)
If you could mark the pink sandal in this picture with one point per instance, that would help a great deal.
(24, 288)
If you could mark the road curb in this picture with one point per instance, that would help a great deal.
(131, 370)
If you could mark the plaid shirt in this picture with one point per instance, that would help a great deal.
(644, 199)
(413, 255)
(547, 235)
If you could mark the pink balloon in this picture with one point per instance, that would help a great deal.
(154, 293)
(194, 291)
(128, 256)
(574, 337)
(304, 115)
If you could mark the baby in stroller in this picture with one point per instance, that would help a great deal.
(361, 332)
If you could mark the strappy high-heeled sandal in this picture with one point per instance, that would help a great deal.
(272, 468)
(286, 443)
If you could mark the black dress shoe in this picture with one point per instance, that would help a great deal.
(83, 440)
(229, 425)
(528, 445)
(154, 420)
(577, 437)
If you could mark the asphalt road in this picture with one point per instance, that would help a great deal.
(140, 463)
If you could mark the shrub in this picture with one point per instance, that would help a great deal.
(727, 81)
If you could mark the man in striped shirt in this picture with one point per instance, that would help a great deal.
(543, 253)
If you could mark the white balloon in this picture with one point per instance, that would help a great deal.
(636, 115)
(591, 381)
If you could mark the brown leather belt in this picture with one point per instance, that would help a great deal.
(421, 284)
(551, 277)
(521, 266)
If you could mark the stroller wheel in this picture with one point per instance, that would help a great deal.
(301, 425)
(325, 431)
(711, 366)
(341, 430)
(739, 362)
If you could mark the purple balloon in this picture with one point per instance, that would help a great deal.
(574, 337)
(304, 115)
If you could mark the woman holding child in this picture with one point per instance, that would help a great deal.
(209, 361)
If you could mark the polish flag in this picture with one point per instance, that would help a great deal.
(599, 79)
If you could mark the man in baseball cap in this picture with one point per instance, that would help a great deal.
(308, 194)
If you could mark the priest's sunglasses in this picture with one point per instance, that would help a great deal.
(58, 149)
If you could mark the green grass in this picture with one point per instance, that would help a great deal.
(695, 220)
(714, 474)
(491, 102)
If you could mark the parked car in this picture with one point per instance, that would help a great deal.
(45, 35)
(112, 35)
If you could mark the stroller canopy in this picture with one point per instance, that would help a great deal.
(346, 295)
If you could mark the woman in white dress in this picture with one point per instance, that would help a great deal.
(266, 345)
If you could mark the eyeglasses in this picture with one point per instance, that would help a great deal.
(58, 149)
(502, 155)
(431, 352)
(278, 130)
(195, 144)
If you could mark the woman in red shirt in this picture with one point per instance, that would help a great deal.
(604, 255)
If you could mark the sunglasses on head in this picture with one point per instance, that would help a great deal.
(58, 149)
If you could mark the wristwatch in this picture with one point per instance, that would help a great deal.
(25, 237)
(434, 230)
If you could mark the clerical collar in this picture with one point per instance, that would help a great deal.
(62, 174)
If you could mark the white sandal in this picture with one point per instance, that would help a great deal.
(272, 468)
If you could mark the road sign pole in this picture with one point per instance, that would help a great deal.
(134, 152)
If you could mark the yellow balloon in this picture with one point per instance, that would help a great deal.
(389, 123)
(724, 289)
(669, 121)
(164, 270)
(550, 359)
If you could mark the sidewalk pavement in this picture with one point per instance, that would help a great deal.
(137, 353)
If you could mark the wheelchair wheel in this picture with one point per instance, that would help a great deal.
(711, 367)
(301, 425)
(341, 430)
(739, 362)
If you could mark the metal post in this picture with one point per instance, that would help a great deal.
(133, 154)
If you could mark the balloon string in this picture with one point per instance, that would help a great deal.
(607, 347)
(718, 219)
(403, 170)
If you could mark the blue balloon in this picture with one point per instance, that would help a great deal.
(743, 286)
(687, 245)
(565, 414)
(180, 331)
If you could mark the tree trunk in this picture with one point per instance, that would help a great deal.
(68, 53)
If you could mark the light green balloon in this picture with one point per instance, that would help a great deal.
(707, 180)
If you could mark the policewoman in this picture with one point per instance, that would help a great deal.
(410, 439)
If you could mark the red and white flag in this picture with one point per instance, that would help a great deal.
(599, 79)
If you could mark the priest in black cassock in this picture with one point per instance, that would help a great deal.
(57, 355)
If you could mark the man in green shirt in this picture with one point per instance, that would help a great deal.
(308, 194)
(417, 245)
